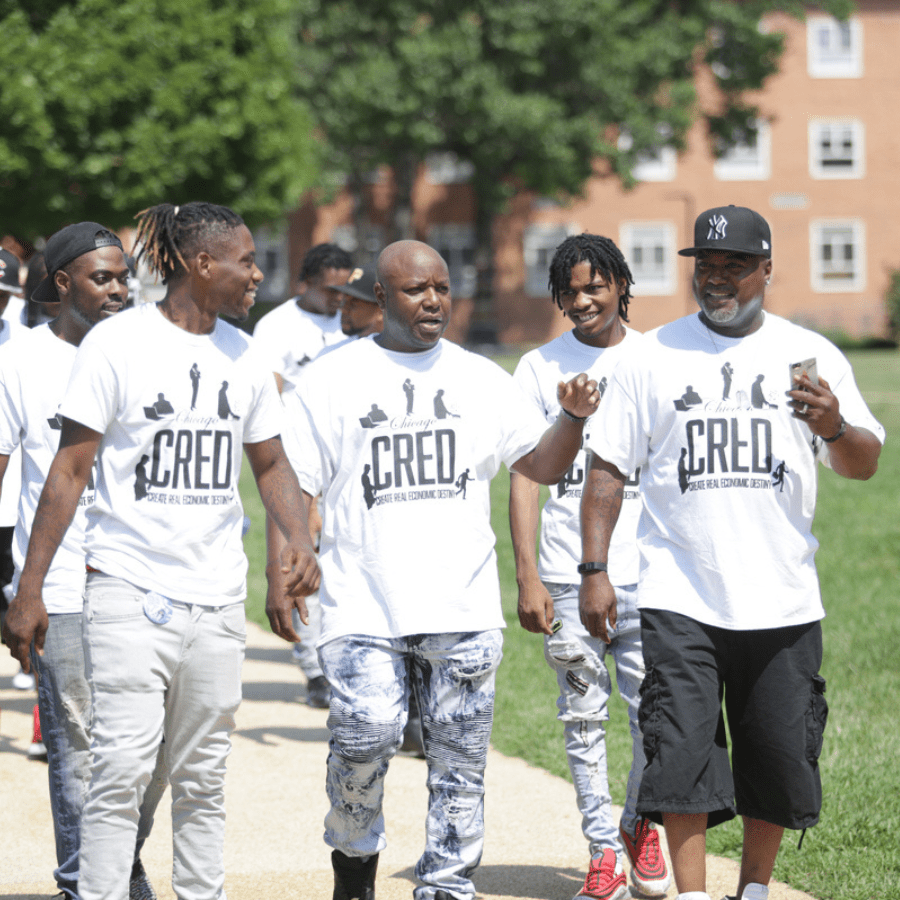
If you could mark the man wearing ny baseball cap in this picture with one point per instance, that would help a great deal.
(87, 277)
(727, 439)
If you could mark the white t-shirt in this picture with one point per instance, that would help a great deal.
(12, 480)
(174, 409)
(538, 373)
(34, 372)
(403, 447)
(292, 338)
(728, 475)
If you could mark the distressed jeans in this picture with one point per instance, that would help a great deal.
(64, 697)
(584, 691)
(182, 679)
(453, 676)
(305, 651)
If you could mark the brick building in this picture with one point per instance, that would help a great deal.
(824, 169)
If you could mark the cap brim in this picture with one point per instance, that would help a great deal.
(358, 295)
(693, 251)
(45, 292)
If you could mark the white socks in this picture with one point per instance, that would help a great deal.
(693, 895)
(756, 892)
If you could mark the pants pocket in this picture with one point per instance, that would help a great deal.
(816, 717)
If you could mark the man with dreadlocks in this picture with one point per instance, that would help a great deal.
(590, 282)
(164, 626)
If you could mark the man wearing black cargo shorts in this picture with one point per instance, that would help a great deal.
(728, 592)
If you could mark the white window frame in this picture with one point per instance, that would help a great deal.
(658, 165)
(825, 276)
(836, 129)
(658, 235)
(828, 61)
(539, 243)
(746, 162)
(454, 242)
(448, 168)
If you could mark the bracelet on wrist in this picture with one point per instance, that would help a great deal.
(572, 416)
(840, 432)
(587, 568)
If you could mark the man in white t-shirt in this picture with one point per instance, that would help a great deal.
(87, 279)
(590, 281)
(295, 332)
(164, 626)
(292, 335)
(410, 592)
(727, 438)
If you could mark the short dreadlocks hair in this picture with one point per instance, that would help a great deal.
(168, 235)
(603, 255)
(322, 257)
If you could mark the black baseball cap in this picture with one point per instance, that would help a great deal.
(360, 284)
(9, 272)
(67, 244)
(731, 228)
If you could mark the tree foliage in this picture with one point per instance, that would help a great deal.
(532, 93)
(109, 108)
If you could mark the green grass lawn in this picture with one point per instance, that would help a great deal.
(853, 853)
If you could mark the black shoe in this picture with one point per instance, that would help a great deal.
(354, 878)
(318, 692)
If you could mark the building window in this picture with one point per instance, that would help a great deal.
(837, 250)
(658, 164)
(456, 243)
(748, 157)
(364, 247)
(649, 248)
(272, 259)
(836, 149)
(834, 49)
(539, 244)
(448, 168)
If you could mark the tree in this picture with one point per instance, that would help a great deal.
(535, 95)
(112, 107)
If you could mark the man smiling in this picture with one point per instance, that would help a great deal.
(410, 594)
(728, 592)
(164, 627)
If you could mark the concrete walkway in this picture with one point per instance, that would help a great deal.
(276, 805)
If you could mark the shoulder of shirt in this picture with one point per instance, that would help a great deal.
(274, 315)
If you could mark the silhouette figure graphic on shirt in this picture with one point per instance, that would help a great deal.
(757, 398)
(565, 482)
(161, 408)
(195, 384)
(375, 417)
(727, 374)
(601, 386)
(461, 483)
(409, 389)
(778, 474)
(141, 481)
(688, 399)
(302, 362)
(224, 409)
(440, 408)
(684, 479)
(368, 488)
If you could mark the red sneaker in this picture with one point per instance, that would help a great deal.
(37, 750)
(605, 879)
(649, 873)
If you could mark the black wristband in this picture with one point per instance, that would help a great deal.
(589, 567)
(840, 432)
(574, 418)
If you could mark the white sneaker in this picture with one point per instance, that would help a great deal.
(23, 681)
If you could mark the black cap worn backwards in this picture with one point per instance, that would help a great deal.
(360, 284)
(734, 229)
(67, 244)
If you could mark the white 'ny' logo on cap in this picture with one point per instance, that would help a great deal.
(717, 225)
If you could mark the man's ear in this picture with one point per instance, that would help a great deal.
(380, 295)
(203, 264)
(63, 282)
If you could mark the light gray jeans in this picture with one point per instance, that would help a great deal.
(453, 676)
(181, 679)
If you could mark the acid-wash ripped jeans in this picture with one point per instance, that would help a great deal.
(584, 691)
(453, 676)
